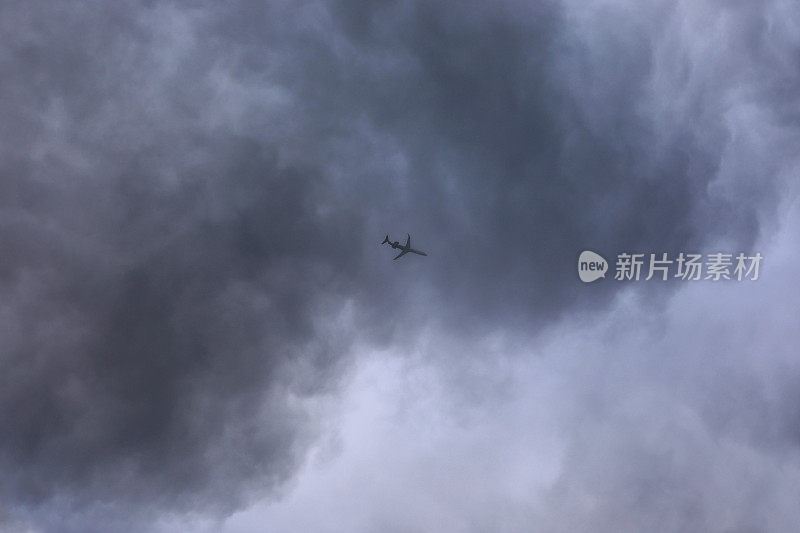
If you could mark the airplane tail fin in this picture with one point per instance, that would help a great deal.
(385, 240)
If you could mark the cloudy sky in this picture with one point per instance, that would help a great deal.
(200, 332)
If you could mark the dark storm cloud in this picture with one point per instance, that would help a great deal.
(191, 195)
(161, 276)
(150, 355)
(514, 140)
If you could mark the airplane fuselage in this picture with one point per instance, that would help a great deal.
(397, 245)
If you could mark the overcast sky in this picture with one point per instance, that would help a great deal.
(200, 332)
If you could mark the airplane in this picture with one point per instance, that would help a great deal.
(405, 248)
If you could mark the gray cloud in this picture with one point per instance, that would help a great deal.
(162, 278)
(629, 419)
(192, 197)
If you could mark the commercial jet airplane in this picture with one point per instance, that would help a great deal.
(405, 248)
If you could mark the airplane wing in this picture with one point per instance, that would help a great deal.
(408, 241)
(401, 254)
